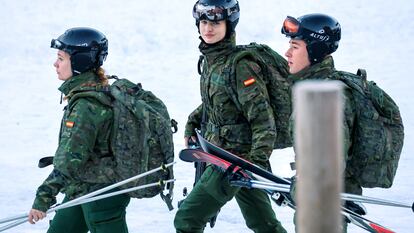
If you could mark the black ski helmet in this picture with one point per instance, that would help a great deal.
(320, 32)
(87, 48)
(217, 10)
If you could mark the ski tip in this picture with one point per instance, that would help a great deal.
(182, 155)
(380, 229)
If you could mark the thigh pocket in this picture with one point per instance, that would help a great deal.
(205, 177)
(217, 185)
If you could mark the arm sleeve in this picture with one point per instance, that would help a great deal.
(194, 121)
(78, 137)
(47, 192)
(254, 100)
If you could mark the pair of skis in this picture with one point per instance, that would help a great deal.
(249, 175)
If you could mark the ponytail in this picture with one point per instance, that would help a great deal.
(102, 77)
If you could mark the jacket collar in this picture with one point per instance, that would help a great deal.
(316, 71)
(219, 49)
(76, 82)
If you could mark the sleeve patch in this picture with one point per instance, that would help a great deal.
(249, 81)
(69, 124)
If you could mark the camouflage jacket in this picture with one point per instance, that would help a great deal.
(324, 71)
(83, 154)
(249, 132)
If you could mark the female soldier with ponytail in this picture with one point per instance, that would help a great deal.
(83, 161)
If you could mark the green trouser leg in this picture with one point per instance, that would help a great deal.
(102, 216)
(68, 220)
(256, 209)
(107, 215)
(211, 193)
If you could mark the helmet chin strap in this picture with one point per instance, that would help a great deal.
(74, 72)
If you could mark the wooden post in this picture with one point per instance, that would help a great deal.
(318, 147)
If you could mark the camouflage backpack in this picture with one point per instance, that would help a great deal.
(141, 138)
(378, 132)
(275, 72)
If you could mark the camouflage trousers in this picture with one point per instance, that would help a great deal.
(212, 192)
(102, 216)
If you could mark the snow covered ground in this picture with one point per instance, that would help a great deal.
(155, 43)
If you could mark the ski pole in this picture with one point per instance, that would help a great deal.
(162, 167)
(353, 217)
(344, 196)
(13, 224)
(373, 200)
(91, 199)
(261, 185)
(111, 194)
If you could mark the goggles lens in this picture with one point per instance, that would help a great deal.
(290, 26)
(211, 13)
(57, 44)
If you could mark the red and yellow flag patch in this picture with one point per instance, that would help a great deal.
(249, 81)
(69, 124)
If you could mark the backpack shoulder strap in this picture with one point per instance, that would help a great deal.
(277, 58)
(356, 82)
(229, 72)
(242, 51)
(100, 96)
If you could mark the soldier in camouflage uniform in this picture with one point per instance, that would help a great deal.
(83, 141)
(314, 38)
(249, 132)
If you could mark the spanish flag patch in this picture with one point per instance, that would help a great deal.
(69, 124)
(249, 81)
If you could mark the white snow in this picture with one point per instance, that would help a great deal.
(155, 43)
